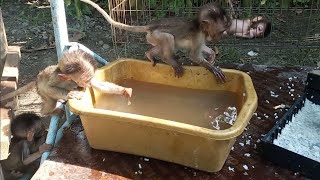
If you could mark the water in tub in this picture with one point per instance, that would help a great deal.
(190, 106)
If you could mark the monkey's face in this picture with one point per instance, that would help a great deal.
(216, 29)
(258, 30)
(83, 80)
(30, 134)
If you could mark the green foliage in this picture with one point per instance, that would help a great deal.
(285, 3)
(78, 9)
(172, 6)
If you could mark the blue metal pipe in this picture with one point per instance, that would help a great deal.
(76, 46)
(61, 40)
(70, 117)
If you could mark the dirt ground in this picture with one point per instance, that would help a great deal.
(29, 26)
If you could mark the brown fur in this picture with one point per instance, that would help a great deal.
(168, 35)
(28, 136)
(60, 81)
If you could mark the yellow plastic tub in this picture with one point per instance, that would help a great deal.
(185, 144)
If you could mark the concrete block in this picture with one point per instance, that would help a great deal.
(13, 56)
(5, 133)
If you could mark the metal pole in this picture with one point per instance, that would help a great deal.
(61, 40)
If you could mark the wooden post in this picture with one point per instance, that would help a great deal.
(3, 45)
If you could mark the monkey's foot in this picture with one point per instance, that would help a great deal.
(218, 74)
(16, 174)
(178, 71)
(151, 59)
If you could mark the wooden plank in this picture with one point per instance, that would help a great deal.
(3, 44)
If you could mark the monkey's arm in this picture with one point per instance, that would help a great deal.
(111, 88)
(211, 53)
(31, 158)
(197, 57)
(28, 158)
(57, 93)
(243, 35)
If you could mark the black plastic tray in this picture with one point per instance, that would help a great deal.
(283, 157)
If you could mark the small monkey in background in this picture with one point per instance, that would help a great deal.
(170, 34)
(26, 146)
(257, 27)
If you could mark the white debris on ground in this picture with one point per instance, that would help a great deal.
(229, 117)
(273, 94)
(247, 155)
(252, 53)
(245, 167)
(279, 106)
(231, 169)
(215, 124)
(145, 159)
(302, 135)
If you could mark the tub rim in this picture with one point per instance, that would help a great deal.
(245, 114)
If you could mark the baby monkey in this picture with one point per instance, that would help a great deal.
(60, 82)
(26, 146)
(75, 70)
(257, 27)
(168, 35)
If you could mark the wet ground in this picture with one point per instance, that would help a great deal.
(73, 158)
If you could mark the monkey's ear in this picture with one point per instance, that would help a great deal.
(205, 23)
(258, 18)
(63, 77)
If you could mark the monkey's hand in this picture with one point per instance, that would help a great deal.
(75, 94)
(127, 92)
(178, 71)
(45, 148)
(218, 73)
(16, 174)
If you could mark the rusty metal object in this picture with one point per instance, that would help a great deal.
(73, 158)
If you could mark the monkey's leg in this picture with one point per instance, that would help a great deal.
(152, 53)
(155, 50)
(212, 53)
(168, 53)
(196, 56)
(49, 107)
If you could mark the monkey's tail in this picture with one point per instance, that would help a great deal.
(114, 23)
(19, 91)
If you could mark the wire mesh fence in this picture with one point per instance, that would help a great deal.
(295, 23)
